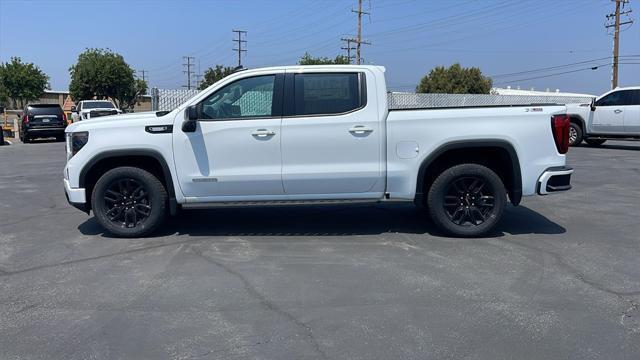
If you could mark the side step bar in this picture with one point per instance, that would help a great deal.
(223, 204)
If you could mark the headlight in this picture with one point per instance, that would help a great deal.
(76, 141)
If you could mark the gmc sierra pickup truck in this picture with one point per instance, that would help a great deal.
(309, 135)
(613, 115)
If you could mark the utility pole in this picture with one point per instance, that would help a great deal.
(616, 36)
(239, 49)
(144, 72)
(358, 39)
(198, 76)
(188, 64)
(348, 48)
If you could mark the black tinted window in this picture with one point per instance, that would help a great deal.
(44, 110)
(635, 97)
(249, 97)
(618, 98)
(327, 93)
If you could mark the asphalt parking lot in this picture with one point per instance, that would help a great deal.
(561, 280)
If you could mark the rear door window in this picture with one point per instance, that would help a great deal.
(328, 93)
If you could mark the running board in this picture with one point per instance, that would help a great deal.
(208, 205)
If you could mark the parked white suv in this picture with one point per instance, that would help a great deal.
(89, 109)
(314, 134)
(613, 115)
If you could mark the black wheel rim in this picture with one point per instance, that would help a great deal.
(469, 201)
(127, 202)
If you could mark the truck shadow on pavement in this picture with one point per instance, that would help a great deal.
(327, 221)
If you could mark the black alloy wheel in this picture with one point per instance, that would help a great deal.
(468, 201)
(127, 202)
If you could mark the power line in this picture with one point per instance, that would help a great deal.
(189, 64)
(555, 67)
(240, 41)
(616, 36)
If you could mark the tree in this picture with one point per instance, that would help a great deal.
(455, 80)
(21, 82)
(103, 74)
(307, 59)
(213, 75)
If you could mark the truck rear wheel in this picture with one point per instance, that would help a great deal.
(129, 202)
(467, 200)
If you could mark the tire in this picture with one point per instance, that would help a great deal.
(26, 139)
(595, 142)
(467, 200)
(129, 202)
(575, 134)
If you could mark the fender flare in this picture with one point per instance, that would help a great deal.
(581, 122)
(515, 193)
(173, 205)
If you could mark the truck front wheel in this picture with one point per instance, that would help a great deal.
(129, 202)
(467, 200)
(575, 134)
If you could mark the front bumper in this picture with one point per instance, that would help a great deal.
(554, 179)
(75, 197)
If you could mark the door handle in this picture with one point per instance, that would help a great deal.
(263, 133)
(360, 129)
(617, 111)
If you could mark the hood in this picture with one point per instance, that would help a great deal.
(115, 121)
(100, 109)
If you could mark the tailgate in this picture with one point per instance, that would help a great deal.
(46, 121)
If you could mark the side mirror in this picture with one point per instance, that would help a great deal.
(74, 109)
(593, 105)
(191, 116)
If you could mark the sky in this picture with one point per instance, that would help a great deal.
(408, 37)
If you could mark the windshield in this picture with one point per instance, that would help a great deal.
(97, 104)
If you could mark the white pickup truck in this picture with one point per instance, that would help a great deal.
(309, 135)
(613, 115)
(91, 109)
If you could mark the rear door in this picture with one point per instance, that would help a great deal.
(632, 114)
(331, 136)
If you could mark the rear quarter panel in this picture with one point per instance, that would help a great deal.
(412, 135)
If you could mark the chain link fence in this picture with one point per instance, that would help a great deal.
(169, 99)
(399, 101)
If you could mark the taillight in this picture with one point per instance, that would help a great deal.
(25, 119)
(560, 128)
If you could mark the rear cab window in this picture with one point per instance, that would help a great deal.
(328, 93)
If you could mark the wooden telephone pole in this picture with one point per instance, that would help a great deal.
(616, 36)
(358, 40)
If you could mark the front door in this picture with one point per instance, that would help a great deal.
(331, 137)
(235, 150)
(608, 116)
